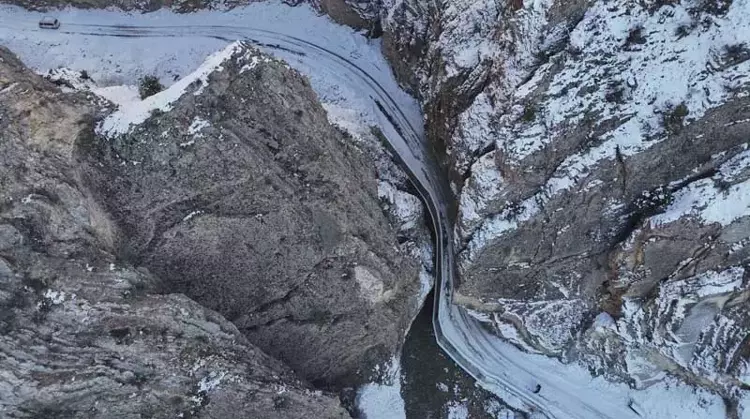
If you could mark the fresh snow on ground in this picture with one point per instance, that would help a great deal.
(171, 45)
(708, 201)
(350, 120)
(666, 70)
(122, 96)
(197, 125)
(710, 204)
(458, 411)
(474, 133)
(406, 207)
(569, 391)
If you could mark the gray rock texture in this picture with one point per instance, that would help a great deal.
(84, 335)
(246, 199)
(598, 151)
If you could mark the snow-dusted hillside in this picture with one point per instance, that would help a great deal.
(598, 152)
(625, 75)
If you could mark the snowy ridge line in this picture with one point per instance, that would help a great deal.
(121, 121)
(241, 32)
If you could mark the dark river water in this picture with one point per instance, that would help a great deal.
(433, 386)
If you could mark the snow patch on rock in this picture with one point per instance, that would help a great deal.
(718, 199)
(136, 113)
(406, 207)
(550, 324)
(197, 125)
(685, 324)
(124, 95)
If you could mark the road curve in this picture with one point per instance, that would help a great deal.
(461, 336)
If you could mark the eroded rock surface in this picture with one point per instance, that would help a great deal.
(598, 153)
(83, 334)
(244, 197)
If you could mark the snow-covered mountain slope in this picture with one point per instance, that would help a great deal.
(598, 155)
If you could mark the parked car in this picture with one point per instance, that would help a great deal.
(49, 23)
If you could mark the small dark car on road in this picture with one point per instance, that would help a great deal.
(48, 22)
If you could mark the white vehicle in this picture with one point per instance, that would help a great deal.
(48, 22)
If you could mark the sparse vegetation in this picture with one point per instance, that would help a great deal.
(85, 75)
(674, 118)
(713, 7)
(635, 37)
(615, 93)
(512, 210)
(655, 5)
(149, 86)
(684, 30)
(60, 82)
(280, 402)
(44, 306)
(477, 28)
(542, 56)
(529, 113)
(155, 113)
(735, 54)
(375, 130)
(574, 51)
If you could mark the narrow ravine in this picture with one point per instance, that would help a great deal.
(531, 383)
(460, 336)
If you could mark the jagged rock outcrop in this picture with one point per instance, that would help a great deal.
(84, 335)
(233, 188)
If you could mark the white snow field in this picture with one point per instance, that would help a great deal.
(349, 74)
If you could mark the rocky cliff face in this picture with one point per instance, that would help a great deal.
(83, 333)
(233, 188)
(599, 155)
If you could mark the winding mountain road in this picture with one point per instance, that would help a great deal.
(493, 363)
